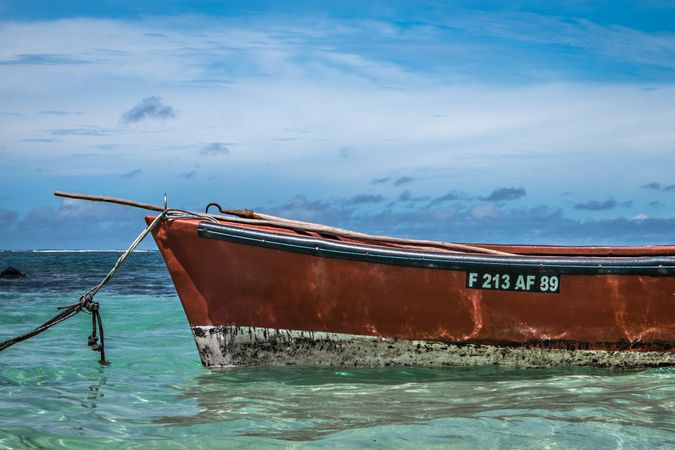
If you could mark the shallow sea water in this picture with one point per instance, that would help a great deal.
(156, 394)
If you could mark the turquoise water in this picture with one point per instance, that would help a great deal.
(156, 394)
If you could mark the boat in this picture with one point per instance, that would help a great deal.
(264, 290)
(259, 290)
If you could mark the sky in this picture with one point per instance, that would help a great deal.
(468, 121)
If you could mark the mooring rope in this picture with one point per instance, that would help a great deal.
(87, 303)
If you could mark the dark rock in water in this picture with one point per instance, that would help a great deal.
(12, 272)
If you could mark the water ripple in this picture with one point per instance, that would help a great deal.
(53, 394)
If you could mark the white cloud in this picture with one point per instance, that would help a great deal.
(484, 211)
(370, 86)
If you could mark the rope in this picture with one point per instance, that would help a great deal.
(87, 303)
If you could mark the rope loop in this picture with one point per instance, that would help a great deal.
(86, 302)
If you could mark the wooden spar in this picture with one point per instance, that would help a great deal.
(250, 217)
(148, 206)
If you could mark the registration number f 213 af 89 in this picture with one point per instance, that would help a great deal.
(548, 283)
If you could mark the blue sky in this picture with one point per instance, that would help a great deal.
(529, 122)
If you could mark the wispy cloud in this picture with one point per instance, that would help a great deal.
(132, 174)
(189, 174)
(106, 147)
(655, 186)
(148, 108)
(583, 36)
(42, 59)
(300, 207)
(400, 181)
(361, 199)
(406, 196)
(597, 205)
(82, 131)
(380, 180)
(38, 140)
(505, 194)
(403, 180)
(346, 152)
(450, 196)
(215, 148)
(296, 130)
(59, 113)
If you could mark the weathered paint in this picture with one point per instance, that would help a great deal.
(248, 283)
(244, 346)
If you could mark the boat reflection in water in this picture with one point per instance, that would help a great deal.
(471, 406)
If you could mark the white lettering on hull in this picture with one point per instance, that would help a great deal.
(547, 283)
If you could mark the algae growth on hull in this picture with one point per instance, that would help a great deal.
(243, 346)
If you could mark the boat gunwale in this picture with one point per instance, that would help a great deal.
(328, 248)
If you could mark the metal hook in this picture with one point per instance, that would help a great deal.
(165, 201)
(216, 205)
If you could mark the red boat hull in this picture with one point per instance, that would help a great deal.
(252, 300)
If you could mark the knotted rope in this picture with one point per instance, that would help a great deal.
(87, 304)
